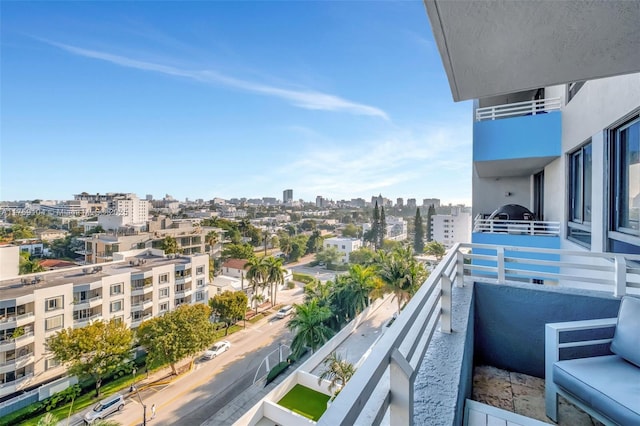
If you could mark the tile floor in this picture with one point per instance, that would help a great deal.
(523, 395)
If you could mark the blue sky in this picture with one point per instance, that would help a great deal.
(228, 99)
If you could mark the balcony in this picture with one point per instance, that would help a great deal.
(12, 344)
(17, 320)
(516, 139)
(88, 303)
(17, 363)
(420, 371)
(15, 385)
(183, 280)
(521, 233)
(136, 321)
(140, 290)
(83, 322)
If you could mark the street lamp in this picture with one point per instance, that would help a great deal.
(144, 407)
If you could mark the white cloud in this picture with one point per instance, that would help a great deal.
(303, 98)
(438, 160)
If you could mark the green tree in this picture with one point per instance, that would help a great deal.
(237, 251)
(401, 274)
(430, 213)
(308, 326)
(382, 228)
(351, 231)
(298, 247)
(177, 334)
(436, 249)
(363, 256)
(285, 245)
(374, 236)
(257, 274)
(230, 307)
(338, 370)
(96, 350)
(308, 225)
(170, 245)
(275, 275)
(418, 240)
(211, 239)
(314, 243)
(27, 265)
(328, 255)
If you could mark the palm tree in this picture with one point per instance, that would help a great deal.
(436, 249)
(275, 275)
(338, 371)
(257, 274)
(308, 326)
(170, 245)
(257, 298)
(394, 272)
(212, 239)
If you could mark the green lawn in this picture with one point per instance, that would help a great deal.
(305, 402)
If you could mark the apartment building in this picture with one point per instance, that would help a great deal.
(191, 239)
(287, 196)
(344, 246)
(138, 285)
(453, 228)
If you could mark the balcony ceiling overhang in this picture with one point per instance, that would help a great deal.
(511, 168)
(496, 47)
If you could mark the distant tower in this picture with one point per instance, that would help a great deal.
(287, 196)
(400, 203)
(319, 201)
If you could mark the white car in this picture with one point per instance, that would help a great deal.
(217, 349)
(104, 408)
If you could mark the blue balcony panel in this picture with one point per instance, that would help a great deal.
(517, 146)
(504, 239)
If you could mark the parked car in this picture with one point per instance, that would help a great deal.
(105, 407)
(217, 349)
(284, 311)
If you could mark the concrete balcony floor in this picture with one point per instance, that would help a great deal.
(522, 394)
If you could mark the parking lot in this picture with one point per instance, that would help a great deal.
(318, 272)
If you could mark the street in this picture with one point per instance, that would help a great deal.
(197, 395)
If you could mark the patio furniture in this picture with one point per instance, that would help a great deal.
(607, 387)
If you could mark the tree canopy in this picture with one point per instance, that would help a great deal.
(436, 249)
(328, 255)
(177, 334)
(418, 239)
(96, 350)
(230, 307)
(237, 251)
(308, 326)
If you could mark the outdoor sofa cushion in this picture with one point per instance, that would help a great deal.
(608, 384)
(626, 340)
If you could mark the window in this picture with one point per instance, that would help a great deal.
(580, 170)
(200, 282)
(200, 270)
(200, 296)
(627, 178)
(164, 278)
(164, 306)
(54, 323)
(117, 306)
(54, 303)
(119, 319)
(163, 292)
(625, 193)
(116, 288)
(50, 363)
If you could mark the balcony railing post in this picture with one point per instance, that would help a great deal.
(500, 255)
(445, 305)
(620, 279)
(401, 389)
(459, 268)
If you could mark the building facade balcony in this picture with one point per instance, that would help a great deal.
(16, 343)
(88, 303)
(83, 322)
(17, 363)
(516, 139)
(13, 386)
(17, 321)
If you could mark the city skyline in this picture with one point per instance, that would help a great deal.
(242, 102)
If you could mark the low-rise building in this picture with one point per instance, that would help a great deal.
(344, 246)
(138, 285)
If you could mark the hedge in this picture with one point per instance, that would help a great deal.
(275, 371)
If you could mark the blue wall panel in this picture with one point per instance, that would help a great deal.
(510, 321)
(528, 136)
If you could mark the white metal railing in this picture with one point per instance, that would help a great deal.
(400, 351)
(518, 109)
(529, 227)
(16, 317)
